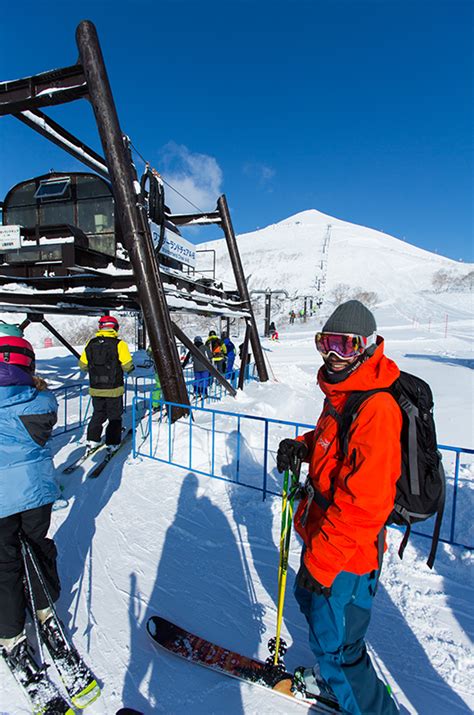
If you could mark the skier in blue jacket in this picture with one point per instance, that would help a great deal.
(230, 347)
(28, 488)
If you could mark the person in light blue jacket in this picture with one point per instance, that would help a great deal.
(28, 488)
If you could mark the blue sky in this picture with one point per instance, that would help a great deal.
(361, 109)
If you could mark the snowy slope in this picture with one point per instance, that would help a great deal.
(146, 538)
(288, 255)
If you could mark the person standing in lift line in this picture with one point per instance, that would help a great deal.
(28, 488)
(341, 519)
(106, 357)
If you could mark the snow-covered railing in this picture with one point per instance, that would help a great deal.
(241, 449)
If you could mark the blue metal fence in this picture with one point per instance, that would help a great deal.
(75, 402)
(249, 444)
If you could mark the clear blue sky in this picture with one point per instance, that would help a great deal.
(361, 109)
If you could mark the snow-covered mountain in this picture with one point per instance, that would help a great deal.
(291, 254)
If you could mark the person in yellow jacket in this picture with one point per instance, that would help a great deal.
(106, 357)
(218, 350)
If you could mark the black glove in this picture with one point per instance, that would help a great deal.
(289, 451)
(306, 581)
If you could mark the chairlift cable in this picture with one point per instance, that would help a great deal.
(164, 180)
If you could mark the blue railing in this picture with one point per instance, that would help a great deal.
(75, 407)
(74, 401)
(249, 444)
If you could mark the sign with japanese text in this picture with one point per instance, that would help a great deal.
(9, 238)
(174, 246)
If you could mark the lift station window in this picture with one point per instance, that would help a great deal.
(52, 189)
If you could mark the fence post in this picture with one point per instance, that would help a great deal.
(213, 437)
(134, 428)
(446, 327)
(170, 417)
(455, 495)
(238, 450)
(150, 419)
(265, 461)
(190, 438)
(65, 408)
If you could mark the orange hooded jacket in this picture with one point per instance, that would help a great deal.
(361, 487)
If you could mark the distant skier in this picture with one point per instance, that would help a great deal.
(106, 357)
(230, 354)
(292, 316)
(273, 331)
(218, 350)
(201, 373)
(28, 413)
(342, 517)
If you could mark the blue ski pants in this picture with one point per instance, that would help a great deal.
(201, 382)
(337, 627)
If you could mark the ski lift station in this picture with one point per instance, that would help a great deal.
(104, 240)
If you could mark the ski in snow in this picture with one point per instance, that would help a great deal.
(80, 460)
(187, 645)
(42, 693)
(77, 678)
(98, 469)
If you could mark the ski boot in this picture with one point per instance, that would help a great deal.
(312, 686)
(77, 678)
(44, 696)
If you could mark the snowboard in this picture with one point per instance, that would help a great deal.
(198, 650)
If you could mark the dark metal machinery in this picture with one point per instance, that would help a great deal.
(133, 219)
(242, 285)
(88, 79)
(268, 293)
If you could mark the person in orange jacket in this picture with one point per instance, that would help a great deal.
(341, 519)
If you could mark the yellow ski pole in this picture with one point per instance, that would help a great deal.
(282, 577)
(285, 537)
(284, 504)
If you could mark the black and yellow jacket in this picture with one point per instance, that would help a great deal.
(106, 357)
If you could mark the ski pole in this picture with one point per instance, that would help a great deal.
(285, 537)
(31, 595)
(27, 552)
(284, 506)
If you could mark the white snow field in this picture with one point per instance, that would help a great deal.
(148, 538)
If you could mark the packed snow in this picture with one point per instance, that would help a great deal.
(148, 538)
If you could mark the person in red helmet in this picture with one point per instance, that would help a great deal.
(106, 357)
(28, 488)
(341, 519)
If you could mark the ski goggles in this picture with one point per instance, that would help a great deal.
(344, 345)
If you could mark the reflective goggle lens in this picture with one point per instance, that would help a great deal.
(344, 345)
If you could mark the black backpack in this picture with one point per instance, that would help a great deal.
(421, 486)
(105, 370)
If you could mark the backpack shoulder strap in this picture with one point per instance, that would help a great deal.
(439, 517)
(350, 411)
(410, 411)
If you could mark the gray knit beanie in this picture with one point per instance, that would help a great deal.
(353, 318)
